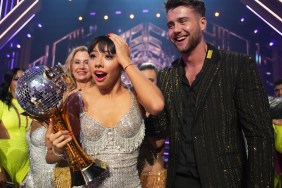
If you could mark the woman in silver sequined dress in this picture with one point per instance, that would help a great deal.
(41, 173)
(111, 116)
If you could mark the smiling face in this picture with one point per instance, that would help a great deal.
(105, 68)
(185, 28)
(80, 68)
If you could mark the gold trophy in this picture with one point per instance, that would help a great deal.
(40, 93)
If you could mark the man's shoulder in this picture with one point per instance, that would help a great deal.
(174, 65)
(230, 54)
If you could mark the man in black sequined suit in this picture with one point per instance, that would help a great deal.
(213, 98)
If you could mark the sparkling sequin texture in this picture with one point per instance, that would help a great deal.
(41, 173)
(117, 146)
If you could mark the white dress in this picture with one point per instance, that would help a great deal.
(117, 146)
(41, 173)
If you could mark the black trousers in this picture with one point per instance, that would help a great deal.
(183, 181)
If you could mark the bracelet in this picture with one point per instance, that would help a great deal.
(60, 155)
(128, 66)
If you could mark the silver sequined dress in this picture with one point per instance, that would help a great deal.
(117, 146)
(41, 173)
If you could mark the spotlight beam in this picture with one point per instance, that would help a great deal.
(18, 16)
(268, 11)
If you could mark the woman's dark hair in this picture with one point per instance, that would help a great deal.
(105, 44)
(197, 5)
(5, 94)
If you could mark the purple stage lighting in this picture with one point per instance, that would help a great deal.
(271, 44)
(92, 13)
(145, 11)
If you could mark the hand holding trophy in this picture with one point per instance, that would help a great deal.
(40, 93)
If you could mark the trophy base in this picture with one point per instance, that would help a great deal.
(88, 174)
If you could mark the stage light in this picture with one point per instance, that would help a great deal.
(92, 13)
(271, 44)
(39, 25)
(255, 31)
(216, 14)
(118, 12)
(145, 11)
(80, 18)
(28, 35)
(18, 46)
(119, 30)
(131, 16)
(106, 17)
(158, 15)
(242, 19)
(8, 56)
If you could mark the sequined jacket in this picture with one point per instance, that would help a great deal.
(231, 102)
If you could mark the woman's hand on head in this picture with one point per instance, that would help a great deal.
(122, 49)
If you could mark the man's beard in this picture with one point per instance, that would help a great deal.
(191, 44)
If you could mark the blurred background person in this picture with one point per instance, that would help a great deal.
(41, 173)
(151, 163)
(278, 87)
(276, 115)
(77, 66)
(277, 124)
(14, 160)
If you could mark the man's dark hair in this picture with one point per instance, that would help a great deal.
(278, 82)
(197, 5)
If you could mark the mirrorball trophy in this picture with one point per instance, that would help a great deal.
(40, 93)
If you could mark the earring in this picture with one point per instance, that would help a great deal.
(9, 90)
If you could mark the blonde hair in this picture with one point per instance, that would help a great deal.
(70, 58)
